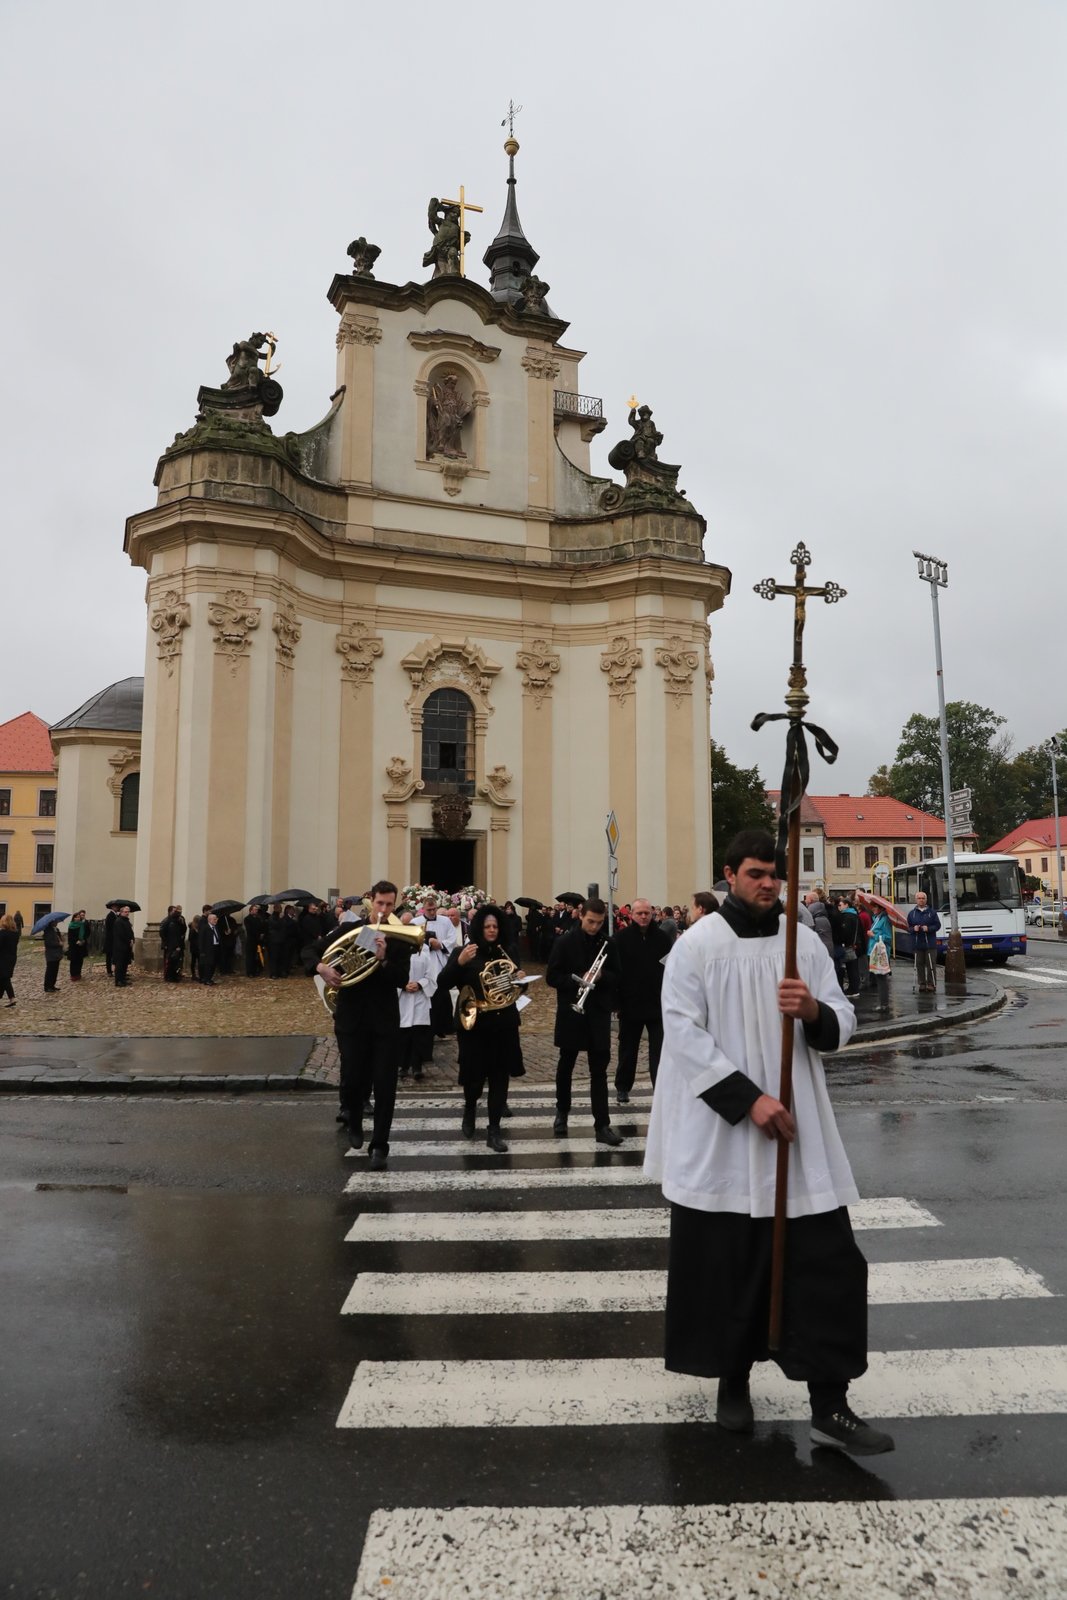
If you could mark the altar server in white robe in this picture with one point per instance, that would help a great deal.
(416, 1041)
(712, 1146)
(442, 937)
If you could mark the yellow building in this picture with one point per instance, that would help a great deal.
(1033, 844)
(27, 818)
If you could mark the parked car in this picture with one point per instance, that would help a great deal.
(1033, 911)
(1046, 914)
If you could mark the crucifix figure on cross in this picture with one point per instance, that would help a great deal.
(797, 699)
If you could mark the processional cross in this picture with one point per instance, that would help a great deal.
(464, 205)
(794, 783)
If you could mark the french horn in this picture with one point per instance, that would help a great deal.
(498, 991)
(355, 953)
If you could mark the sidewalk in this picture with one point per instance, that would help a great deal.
(302, 1062)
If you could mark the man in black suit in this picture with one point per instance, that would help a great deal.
(367, 1025)
(572, 958)
(209, 947)
(172, 931)
(122, 947)
(639, 952)
(255, 935)
(109, 940)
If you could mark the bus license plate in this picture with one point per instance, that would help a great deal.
(981, 946)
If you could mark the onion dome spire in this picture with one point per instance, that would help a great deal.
(511, 258)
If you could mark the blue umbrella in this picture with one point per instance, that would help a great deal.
(44, 922)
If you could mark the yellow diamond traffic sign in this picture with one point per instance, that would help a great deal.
(612, 831)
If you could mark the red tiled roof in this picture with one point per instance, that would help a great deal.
(1040, 830)
(865, 816)
(25, 745)
(809, 817)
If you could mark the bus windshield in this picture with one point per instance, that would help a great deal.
(980, 886)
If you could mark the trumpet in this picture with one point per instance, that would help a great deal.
(498, 991)
(587, 984)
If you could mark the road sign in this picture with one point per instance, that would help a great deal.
(960, 797)
(612, 831)
(614, 869)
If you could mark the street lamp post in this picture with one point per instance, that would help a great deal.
(935, 572)
(1053, 748)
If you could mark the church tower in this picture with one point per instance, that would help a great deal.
(421, 639)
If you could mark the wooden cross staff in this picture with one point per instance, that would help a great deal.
(794, 782)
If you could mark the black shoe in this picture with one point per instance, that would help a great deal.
(342, 1115)
(402, 1073)
(559, 1127)
(495, 1142)
(621, 1097)
(606, 1134)
(733, 1406)
(843, 1430)
(378, 1159)
(417, 1075)
(507, 1111)
(468, 1125)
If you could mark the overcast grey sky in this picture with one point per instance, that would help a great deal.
(825, 239)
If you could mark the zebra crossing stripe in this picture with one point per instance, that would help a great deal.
(1014, 1380)
(623, 1121)
(438, 1294)
(1034, 977)
(882, 1549)
(608, 1176)
(645, 1222)
(524, 1100)
(423, 1148)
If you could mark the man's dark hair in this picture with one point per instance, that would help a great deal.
(597, 907)
(383, 886)
(751, 843)
(706, 900)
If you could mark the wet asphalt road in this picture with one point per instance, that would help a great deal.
(174, 1360)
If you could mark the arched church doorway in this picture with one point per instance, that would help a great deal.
(447, 863)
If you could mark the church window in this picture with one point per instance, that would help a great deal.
(870, 855)
(45, 858)
(448, 742)
(129, 803)
(844, 857)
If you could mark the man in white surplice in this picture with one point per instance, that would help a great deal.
(712, 1145)
(442, 936)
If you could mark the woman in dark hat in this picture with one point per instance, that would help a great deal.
(489, 1052)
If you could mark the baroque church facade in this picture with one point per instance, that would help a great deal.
(421, 639)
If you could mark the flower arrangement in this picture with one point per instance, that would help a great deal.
(413, 897)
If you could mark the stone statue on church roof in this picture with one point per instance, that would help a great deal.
(243, 361)
(533, 295)
(364, 256)
(443, 255)
(644, 443)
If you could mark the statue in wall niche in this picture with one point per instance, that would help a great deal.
(364, 256)
(442, 217)
(446, 410)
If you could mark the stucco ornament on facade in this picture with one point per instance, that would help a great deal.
(538, 664)
(496, 786)
(620, 662)
(540, 365)
(679, 663)
(450, 663)
(171, 616)
(233, 619)
(124, 762)
(358, 648)
(401, 783)
(352, 332)
(287, 630)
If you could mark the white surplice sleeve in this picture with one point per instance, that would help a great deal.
(687, 1031)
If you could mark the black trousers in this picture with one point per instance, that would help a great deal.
(416, 1046)
(253, 965)
(122, 966)
(51, 972)
(598, 1083)
(926, 968)
(207, 966)
(369, 1065)
(77, 961)
(276, 960)
(630, 1030)
(498, 1078)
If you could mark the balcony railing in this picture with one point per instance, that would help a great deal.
(577, 405)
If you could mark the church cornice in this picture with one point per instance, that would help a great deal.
(347, 290)
(441, 339)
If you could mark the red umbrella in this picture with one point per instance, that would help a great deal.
(876, 902)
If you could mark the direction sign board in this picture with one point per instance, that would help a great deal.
(960, 796)
(612, 831)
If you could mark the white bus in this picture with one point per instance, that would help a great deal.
(989, 895)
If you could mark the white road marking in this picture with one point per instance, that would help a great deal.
(621, 1119)
(999, 1381)
(436, 1294)
(1033, 977)
(424, 1148)
(881, 1549)
(364, 1182)
(645, 1222)
(537, 1101)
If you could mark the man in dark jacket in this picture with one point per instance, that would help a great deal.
(254, 939)
(924, 923)
(277, 942)
(172, 931)
(209, 938)
(122, 947)
(639, 952)
(367, 1025)
(573, 956)
(109, 939)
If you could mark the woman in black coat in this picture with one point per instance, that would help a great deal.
(77, 945)
(490, 1051)
(9, 954)
(54, 948)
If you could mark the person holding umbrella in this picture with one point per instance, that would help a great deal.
(54, 946)
(123, 947)
(9, 954)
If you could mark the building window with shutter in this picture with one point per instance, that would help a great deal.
(3, 857)
(45, 857)
(1044, 863)
(46, 803)
(809, 859)
(5, 802)
(870, 855)
(844, 857)
(900, 855)
(129, 803)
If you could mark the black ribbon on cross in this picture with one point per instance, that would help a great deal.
(797, 771)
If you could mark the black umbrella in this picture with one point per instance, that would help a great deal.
(287, 895)
(117, 905)
(569, 898)
(259, 900)
(223, 908)
(527, 900)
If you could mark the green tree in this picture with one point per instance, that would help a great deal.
(880, 782)
(738, 800)
(979, 759)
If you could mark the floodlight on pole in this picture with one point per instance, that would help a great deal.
(934, 571)
(1053, 748)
